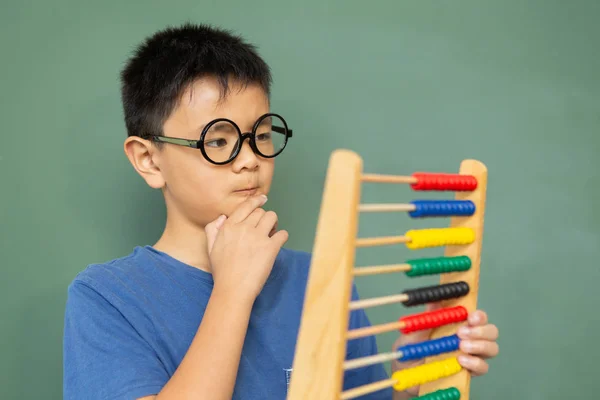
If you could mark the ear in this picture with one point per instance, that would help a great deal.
(145, 159)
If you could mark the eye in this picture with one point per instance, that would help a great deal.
(216, 143)
(263, 136)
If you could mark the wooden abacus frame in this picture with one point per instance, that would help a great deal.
(321, 346)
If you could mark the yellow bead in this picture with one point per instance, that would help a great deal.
(439, 237)
(425, 373)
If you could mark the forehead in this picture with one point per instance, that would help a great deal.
(203, 101)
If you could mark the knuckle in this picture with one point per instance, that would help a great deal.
(477, 347)
(476, 332)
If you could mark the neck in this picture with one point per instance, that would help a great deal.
(186, 242)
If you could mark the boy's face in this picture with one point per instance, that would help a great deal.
(194, 188)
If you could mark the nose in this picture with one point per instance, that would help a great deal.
(246, 158)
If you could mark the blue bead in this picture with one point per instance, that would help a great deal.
(442, 208)
(429, 348)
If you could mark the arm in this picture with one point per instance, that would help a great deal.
(106, 357)
(211, 363)
(242, 250)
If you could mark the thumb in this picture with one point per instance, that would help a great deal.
(212, 230)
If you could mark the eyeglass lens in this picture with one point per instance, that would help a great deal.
(222, 139)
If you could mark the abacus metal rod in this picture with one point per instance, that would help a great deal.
(366, 389)
(375, 330)
(434, 237)
(370, 360)
(425, 373)
(421, 350)
(381, 241)
(382, 178)
(425, 320)
(378, 301)
(386, 207)
(417, 296)
(381, 269)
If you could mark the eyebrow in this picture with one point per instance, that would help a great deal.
(222, 126)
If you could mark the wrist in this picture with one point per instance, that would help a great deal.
(233, 298)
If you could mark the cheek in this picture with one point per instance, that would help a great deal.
(266, 175)
(197, 190)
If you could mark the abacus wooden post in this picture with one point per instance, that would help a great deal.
(321, 346)
(468, 167)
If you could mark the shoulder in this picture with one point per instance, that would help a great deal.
(104, 279)
(102, 323)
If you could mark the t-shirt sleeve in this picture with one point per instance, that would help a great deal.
(363, 347)
(104, 357)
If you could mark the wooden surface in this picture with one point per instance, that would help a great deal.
(321, 347)
(462, 380)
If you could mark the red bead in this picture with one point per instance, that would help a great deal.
(441, 182)
(433, 319)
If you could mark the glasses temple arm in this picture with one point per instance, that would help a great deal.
(279, 129)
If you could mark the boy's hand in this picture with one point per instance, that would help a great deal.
(477, 344)
(243, 248)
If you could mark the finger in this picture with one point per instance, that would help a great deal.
(478, 318)
(475, 365)
(255, 217)
(246, 208)
(212, 230)
(273, 230)
(486, 332)
(267, 222)
(482, 348)
(280, 237)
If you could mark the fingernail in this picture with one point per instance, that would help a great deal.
(220, 220)
(464, 331)
(464, 361)
(264, 198)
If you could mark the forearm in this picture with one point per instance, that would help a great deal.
(209, 368)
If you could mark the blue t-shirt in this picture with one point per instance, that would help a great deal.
(129, 323)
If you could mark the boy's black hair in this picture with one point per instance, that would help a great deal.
(167, 62)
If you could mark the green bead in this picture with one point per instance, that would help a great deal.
(439, 265)
(444, 394)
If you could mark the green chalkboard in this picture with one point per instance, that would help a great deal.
(411, 86)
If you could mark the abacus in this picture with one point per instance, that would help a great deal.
(319, 361)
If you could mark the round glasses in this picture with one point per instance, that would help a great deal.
(221, 139)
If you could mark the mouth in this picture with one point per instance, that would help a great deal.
(250, 191)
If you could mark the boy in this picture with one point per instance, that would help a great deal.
(212, 309)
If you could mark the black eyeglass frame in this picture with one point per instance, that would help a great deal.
(199, 144)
